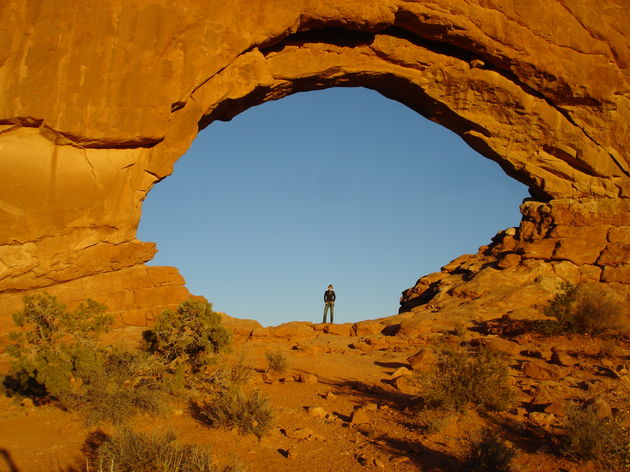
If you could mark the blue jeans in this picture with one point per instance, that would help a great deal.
(329, 306)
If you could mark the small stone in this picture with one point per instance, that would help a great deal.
(267, 378)
(330, 396)
(405, 385)
(307, 378)
(523, 339)
(27, 403)
(533, 353)
(509, 260)
(422, 360)
(360, 416)
(607, 363)
(400, 372)
(362, 459)
(542, 371)
(370, 406)
(556, 408)
(289, 453)
(600, 407)
(541, 419)
(503, 346)
(317, 412)
(299, 433)
(378, 463)
(560, 357)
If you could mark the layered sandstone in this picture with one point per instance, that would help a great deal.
(562, 240)
(100, 99)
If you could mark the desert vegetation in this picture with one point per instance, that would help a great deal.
(592, 436)
(56, 358)
(498, 378)
(587, 308)
(129, 451)
(489, 453)
(277, 361)
(463, 378)
(192, 334)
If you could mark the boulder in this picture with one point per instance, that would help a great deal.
(406, 385)
(560, 357)
(298, 433)
(344, 329)
(600, 406)
(360, 416)
(317, 412)
(502, 346)
(307, 378)
(366, 328)
(543, 371)
(293, 331)
(415, 327)
(422, 361)
(400, 372)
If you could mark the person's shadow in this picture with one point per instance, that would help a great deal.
(6, 455)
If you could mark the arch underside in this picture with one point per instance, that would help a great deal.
(550, 107)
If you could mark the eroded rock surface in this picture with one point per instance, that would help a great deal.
(100, 99)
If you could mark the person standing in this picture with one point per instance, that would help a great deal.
(329, 303)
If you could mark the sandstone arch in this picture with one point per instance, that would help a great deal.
(100, 101)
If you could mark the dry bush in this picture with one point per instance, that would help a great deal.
(240, 371)
(192, 334)
(459, 377)
(588, 308)
(490, 454)
(116, 387)
(277, 360)
(232, 408)
(127, 451)
(57, 358)
(591, 437)
(431, 421)
(47, 348)
(608, 348)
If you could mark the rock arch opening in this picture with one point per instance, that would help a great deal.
(342, 186)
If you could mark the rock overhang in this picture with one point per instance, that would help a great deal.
(100, 101)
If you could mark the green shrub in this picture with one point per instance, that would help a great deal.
(232, 408)
(56, 357)
(588, 308)
(490, 454)
(431, 420)
(127, 451)
(45, 351)
(230, 376)
(589, 436)
(277, 361)
(461, 377)
(192, 333)
(239, 371)
(115, 386)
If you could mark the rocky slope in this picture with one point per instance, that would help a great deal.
(350, 400)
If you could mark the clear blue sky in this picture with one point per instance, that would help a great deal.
(340, 186)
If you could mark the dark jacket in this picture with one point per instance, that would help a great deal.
(329, 296)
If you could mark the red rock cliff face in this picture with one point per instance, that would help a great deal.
(100, 99)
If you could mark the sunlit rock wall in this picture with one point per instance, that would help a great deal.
(99, 99)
